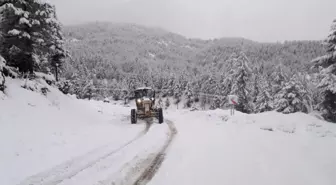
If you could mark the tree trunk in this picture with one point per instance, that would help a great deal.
(56, 72)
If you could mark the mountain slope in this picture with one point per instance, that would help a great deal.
(112, 58)
(121, 42)
(125, 42)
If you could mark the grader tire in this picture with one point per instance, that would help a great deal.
(160, 116)
(133, 116)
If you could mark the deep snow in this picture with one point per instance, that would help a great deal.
(213, 147)
(38, 132)
(57, 139)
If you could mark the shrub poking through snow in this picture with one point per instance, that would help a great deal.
(49, 78)
(267, 128)
(35, 86)
(64, 86)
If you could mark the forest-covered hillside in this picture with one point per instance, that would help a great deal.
(111, 60)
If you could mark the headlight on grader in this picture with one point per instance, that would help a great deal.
(138, 100)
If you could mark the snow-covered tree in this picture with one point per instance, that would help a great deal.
(188, 94)
(216, 103)
(327, 63)
(255, 88)
(30, 32)
(279, 78)
(178, 91)
(264, 99)
(291, 98)
(241, 78)
(310, 83)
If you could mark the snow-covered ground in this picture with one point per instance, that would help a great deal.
(57, 139)
(39, 132)
(213, 147)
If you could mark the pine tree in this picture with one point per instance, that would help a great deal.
(256, 89)
(178, 89)
(264, 99)
(279, 78)
(30, 31)
(188, 95)
(327, 63)
(291, 98)
(240, 78)
(312, 96)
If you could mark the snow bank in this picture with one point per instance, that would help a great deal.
(298, 123)
(38, 132)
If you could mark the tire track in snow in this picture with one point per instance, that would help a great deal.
(153, 167)
(74, 166)
(142, 165)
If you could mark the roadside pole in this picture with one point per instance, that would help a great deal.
(232, 110)
(233, 101)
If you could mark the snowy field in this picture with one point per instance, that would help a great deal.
(213, 147)
(57, 139)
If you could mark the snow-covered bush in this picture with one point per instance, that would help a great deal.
(49, 78)
(64, 86)
(36, 86)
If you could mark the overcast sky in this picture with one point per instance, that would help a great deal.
(259, 20)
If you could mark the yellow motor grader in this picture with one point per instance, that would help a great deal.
(145, 105)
